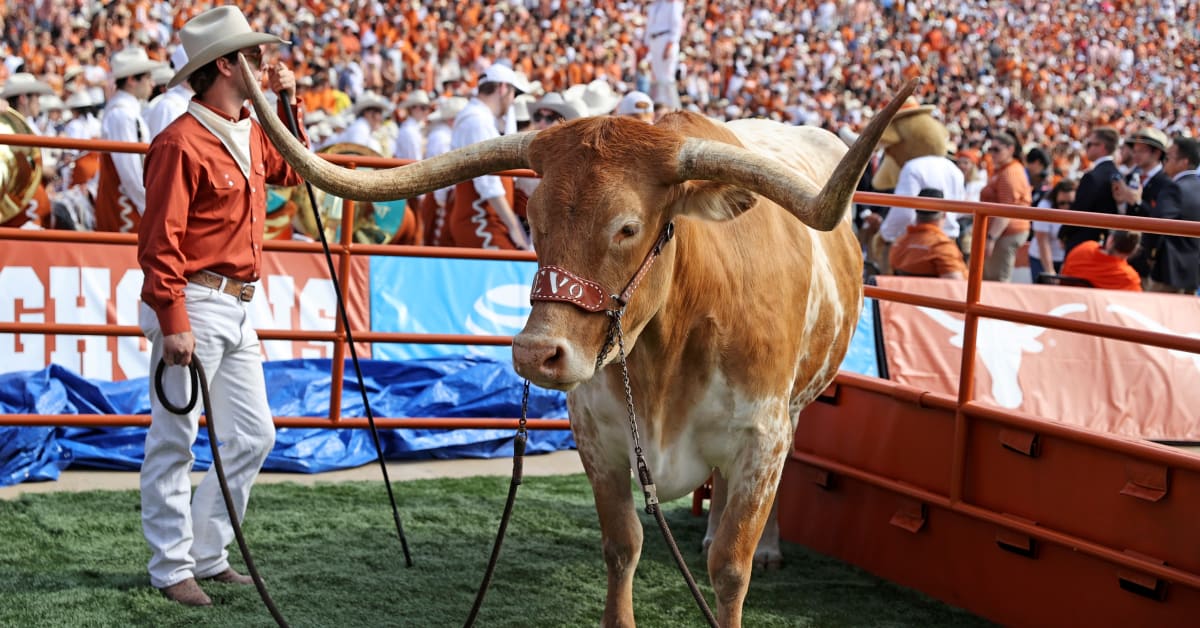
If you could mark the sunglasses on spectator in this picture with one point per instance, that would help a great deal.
(548, 116)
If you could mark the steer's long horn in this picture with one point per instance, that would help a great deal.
(823, 209)
(503, 153)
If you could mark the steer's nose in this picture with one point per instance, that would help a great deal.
(542, 360)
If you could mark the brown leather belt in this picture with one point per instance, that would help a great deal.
(239, 289)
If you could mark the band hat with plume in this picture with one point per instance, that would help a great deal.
(214, 34)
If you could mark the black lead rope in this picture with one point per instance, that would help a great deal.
(200, 386)
(649, 490)
(518, 470)
(337, 289)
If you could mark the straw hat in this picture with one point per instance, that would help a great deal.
(568, 108)
(133, 61)
(24, 83)
(214, 34)
(1151, 137)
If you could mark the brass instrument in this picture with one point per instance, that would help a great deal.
(374, 223)
(20, 168)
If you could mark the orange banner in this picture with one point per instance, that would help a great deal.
(1106, 385)
(97, 284)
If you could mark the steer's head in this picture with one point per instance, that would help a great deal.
(609, 185)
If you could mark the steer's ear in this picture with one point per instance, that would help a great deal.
(711, 200)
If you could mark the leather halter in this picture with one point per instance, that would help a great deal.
(554, 283)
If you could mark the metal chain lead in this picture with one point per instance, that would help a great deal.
(643, 470)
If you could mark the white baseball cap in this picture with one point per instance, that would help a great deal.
(499, 73)
(635, 103)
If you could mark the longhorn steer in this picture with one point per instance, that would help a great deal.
(741, 321)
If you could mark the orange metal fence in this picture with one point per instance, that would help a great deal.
(936, 465)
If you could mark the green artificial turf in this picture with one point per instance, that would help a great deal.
(330, 557)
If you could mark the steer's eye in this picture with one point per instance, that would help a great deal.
(630, 230)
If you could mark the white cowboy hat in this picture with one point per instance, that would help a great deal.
(214, 34)
(24, 83)
(133, 61)
(568, 108)
(448, 109)
(51, 102)
(597, 95)
(78, 100)
(162, 75)
(521, 106)
(371, 100)
(499, 73)
(417, 98)
(635, 103)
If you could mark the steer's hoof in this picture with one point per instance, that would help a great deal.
(768, 560)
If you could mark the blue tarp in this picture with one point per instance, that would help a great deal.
(450, 387)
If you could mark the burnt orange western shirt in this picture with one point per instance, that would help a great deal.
(202, 213)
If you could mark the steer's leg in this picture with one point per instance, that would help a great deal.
(621, 536)
(752, 480)
(716, 506)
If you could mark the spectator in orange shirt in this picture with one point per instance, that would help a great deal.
(1009, 185)
(1108, 267)
(925, 250)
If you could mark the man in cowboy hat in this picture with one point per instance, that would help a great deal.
(410, 141)
(433, 208)
(200, 247)
(370, 111)
(121, 193)
(172, 103)
(483, 215)
(21, 90)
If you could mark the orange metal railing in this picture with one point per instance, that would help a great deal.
(346, 249)
(343, 252)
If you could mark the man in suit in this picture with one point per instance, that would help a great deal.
(1172, 263)
(1095, 188)
(1149, 192)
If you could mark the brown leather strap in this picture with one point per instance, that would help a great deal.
(554, 283)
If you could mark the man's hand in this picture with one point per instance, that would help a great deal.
(1125, 194)
(280, 79)
(178, 348)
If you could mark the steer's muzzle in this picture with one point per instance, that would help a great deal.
(550, 361)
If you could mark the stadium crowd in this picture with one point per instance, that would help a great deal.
(1045, 72)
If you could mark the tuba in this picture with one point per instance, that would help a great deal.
(289, 209)
(20, 170)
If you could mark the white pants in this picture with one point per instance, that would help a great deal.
(189, 539)
(663, 89)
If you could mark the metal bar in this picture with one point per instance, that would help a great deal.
(1140, 449)
(265, 334)
(921, 300)
(143, 420)
(1189, 228)
(966, 371)
(1074, 543)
